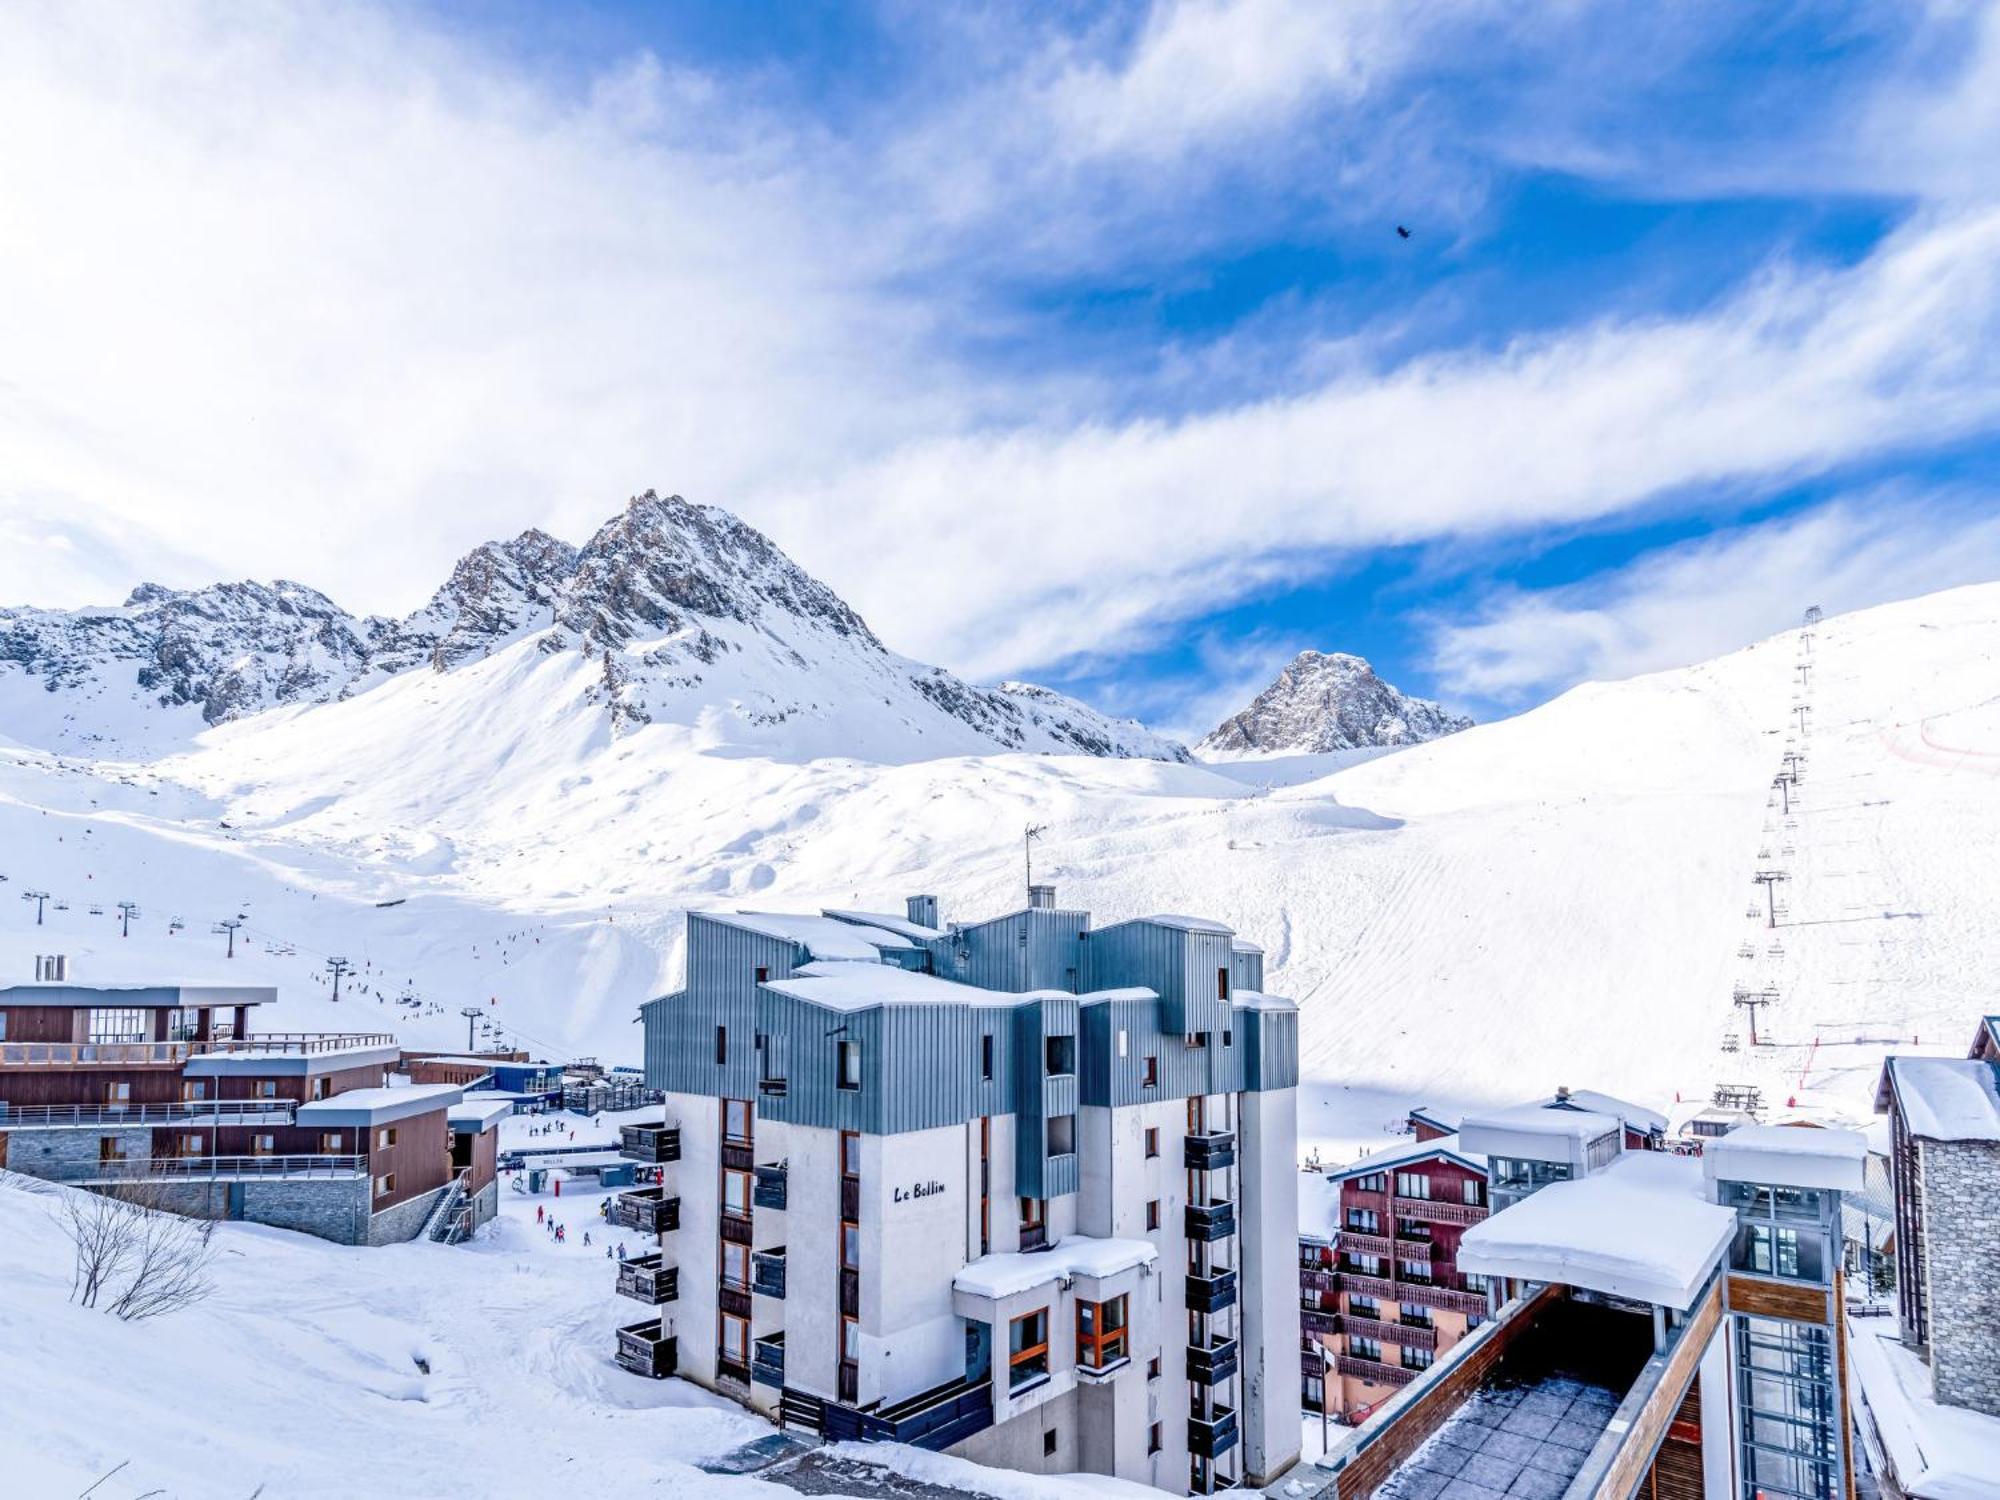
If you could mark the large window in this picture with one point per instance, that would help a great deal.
(736, 1119)
(736, 1192)
(182, 1025)
(1062, 1135)
(1413, 1185)
(1515, 1177)
(1363, 1219)
(1604, 1150)
(1788, 1410)
(1060, 1055)
(1417, 1359)
(120, 1024)
(850, 1153)
(1028, 1349)
(1780, 1232)
(735, 1265)
(1100, 1333)
(1362, 1348)
(850, 1065)
(735, 1343)
(1374, 1182)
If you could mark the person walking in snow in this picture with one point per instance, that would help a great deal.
(538, 1213)
(586, 1238)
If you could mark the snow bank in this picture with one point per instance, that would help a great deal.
(1947, 1098)
(1938, 1452)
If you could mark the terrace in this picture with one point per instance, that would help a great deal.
(179, 1112)
(205, 1169)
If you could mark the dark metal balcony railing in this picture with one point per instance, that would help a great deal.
(645, 1278)
(1318, 1280)
(1214, 1435)
(1368, 1286)
(650, 1210)
(1449, 1298)
(769, 1191)
(205, 1168)
(1319, 1320)
(936, 1419)
(1211, 1293)
(767, 1272)
(1210, 1152)
(1208, 1222)
(767, 1361)
(647, 1349)
(654, 1144)
(179, 1112)
(1212, 1363)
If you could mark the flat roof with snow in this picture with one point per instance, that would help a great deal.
(379, 1106)
(822, 937)
(855, 986)
(148, 996)
(1788, 1156)
(1943, 1098)
(482, 1112)
(1003, 1275)
(916, 932)
(1641, 1228)
(246, 1057)
(1589, 1101)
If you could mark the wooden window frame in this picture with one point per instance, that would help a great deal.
(730, 1175)
(1106, 1346)
(1028, 1352)
(385, 1138)
(736, 1105)
(385, 1184)
(740, 1254)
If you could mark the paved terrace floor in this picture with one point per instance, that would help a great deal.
(1525, 1434)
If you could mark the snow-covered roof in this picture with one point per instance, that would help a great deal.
(822, 937)
(1944, 1098)
(1187, 924)
(1642, 1228)
(1937, 1452)
(1244, 945)
(1589, 1101)
(154, 996)
(1002, 1275)
(916, 932)
(1787, 1156)
(851, 986)
(481, 1112)
(1129, 992)
(1258, 1000)
(1436, 1119)
(1408, 1151)
(1535, 1131)
(379, 1106)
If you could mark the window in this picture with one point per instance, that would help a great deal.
(850, 1153)
(721, 1046)
(1417, 1359)
(321, 1087)
(736, 1120)
(1416, 1315)
(264, 1088)
(850, 1339)
(385, 1138)
(1100, 1333)
(763, 975)
(1031, 1213)
(1418, 1271)
(850, 1065)
(110, 1148)
(1228, 1037)
(1788, 1408)
(1475, 1192)
(1222, 984)
(329, 1143)
(188, 1145)
(1412, 1229)
(850, 1245)
(1363, 1219)
(1374, 1182)
(1362, 1348)
(735, 1265)
(1149, 1072)
(1153, 1213)
(986, 1057)
(1779, 1232)
(1062, 1135)
(1028, 1349)
(1514, 1178)
(3, 1027)
(1312, 1393)
(735, 1345)
(1153, 1368)
(193, 1090)
(181, 1025)
(385, 1184)
(1364, 1307)
(1154, 1441)
(1124, 1038)
(1474, 1282)
(263, 1144)
(117, 1093)
(735, 1192)
(1059, 1053)
(121, 1024)
(1152, 1141)
(1049, 1443)
(1604, 1150)
(1196, 1039)
(1412, 1185)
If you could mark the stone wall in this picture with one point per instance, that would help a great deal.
(66, 1154)
(1961, 1183)
(486, 1204)
(332, 1208)
(403, 1222)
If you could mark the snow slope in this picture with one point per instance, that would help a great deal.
(1556, 898)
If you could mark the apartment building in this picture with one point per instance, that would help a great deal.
(1661, 1325)
(167, 1088)
(1021, 1189)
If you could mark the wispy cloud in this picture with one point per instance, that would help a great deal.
(1699, 599)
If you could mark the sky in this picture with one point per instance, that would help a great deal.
(1071, 342)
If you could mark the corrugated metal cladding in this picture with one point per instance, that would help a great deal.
(1036, 949)
(1114, 1078)
(722, 963)
(1183, 968)
(1271, 1039)
(1246, 971)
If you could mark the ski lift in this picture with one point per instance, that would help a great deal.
(176, 925)
(97, 911)
(1732, 1043)
(61, 906)
(1753, 910)
(1748, 950)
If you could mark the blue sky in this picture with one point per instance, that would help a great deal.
(1072, 342)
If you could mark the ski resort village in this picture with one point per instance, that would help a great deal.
(944, 751)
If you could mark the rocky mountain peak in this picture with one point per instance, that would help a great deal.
(1325, 701)
(495, 592)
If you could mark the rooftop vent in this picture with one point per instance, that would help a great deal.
(921, 909)
(1562, 1094)
(1042, 897)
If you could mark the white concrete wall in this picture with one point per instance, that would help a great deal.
(1718, 1407)
(812, 1256)
(692, 1247)
(1267, 1143)
(913, 1213)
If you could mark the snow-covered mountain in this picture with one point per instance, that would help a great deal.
(1324, 702)
(686, 612)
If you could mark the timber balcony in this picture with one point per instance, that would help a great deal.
(767, 1361)
(1317, 1279)
(653, 1144)
(183, 1112)
(1211, 1293)
(1208, 1222)
(648, 1209)
(1427, 1211)
(644, 1278)
(1213, 1435)
(1318, 1319)
(647, 1349)
(767, 1272)
(1360, 1242)
(1213, 1362)
(1410, 1335)
(1373, 1370)
(1211, 1152)
(769, 1191)
(295, 1043)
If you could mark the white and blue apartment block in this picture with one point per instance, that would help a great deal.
(1022, 1189)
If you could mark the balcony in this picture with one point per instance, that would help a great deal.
(1211, 1152)
(1362, 1285)
(738, 1156)
(1319, 1320)
(1426, 1211)
(1448, 1298)
(296, 1043)
(936, 1419)
(645, 1278)
(1213, 1435)
(1034, 1237)
(205, 1168)
(767, 1361)
(654, 1144)
(1213, 1362)
(767, 1273)
(1407, 1249)
(647, 1349)
(769, 1191)
(735, 1227)
(1407, 1334)
(1373, 1370)
(94, 1054)
(1209, 1222)
(1318, 1280)
(1359, 1242)
(182, 1112)
(1211, 1293)
(650, 1210)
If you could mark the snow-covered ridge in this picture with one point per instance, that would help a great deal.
(1324, 702)
(687, 613)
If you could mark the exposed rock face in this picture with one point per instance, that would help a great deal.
(689, 610)
(1324, 702)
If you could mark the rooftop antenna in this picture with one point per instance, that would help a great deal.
(337, 967)
(471, 1014)
(38, 897)
(1750, 1000)
(127, 910)
(229, 925)
(1769, 880)
(1028, 836)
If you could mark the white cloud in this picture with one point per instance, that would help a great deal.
(1700, 599)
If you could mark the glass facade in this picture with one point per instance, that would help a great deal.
(1515, 1177)
(1788, 1411)
(1785, 1232)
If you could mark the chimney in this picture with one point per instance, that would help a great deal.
(1042, 897)
(51, 968)
(1562, 1093)
(921, 909)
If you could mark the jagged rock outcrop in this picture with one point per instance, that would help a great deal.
(1328, 701)
(497, 592)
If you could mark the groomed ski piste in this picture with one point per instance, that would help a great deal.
(1565, 897)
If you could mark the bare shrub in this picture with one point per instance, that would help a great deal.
(143, 1258)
